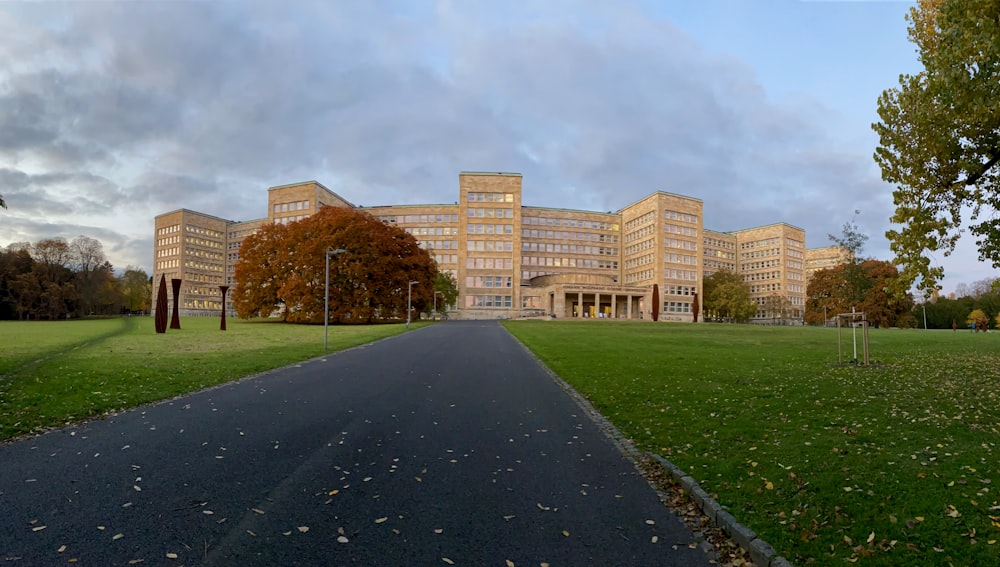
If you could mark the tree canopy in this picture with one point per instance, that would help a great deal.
(727, 297)
(281, 267)
(939, 138)
(53, 278)
(866, 289)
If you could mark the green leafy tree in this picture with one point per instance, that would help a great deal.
(447, 289)
(136, 289)
(852, 242)
(939, 138)
(727, 297)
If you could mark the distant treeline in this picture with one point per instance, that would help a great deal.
(55, 279)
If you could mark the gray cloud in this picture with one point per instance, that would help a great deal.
(127, 110)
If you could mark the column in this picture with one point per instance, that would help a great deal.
(614, 306)
(579, 302)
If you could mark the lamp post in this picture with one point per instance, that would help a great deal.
(436, 292)
(409, 296)
(326, 298)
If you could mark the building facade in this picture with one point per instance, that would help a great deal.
(514, 260)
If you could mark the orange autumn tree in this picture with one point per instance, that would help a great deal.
(281, 267)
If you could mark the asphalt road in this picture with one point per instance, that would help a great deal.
(445, 445)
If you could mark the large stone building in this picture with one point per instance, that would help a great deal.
(513, 260)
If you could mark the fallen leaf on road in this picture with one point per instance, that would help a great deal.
(117, 536)
(303, 529)
(380, 520)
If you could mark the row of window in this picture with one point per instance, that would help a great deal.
(568, 248)
(676, 307)
(203, 231)
(637, 234)
(640, 261)
(681, 230)
(193, 241)
(488, 281)
(432, 230)
(672, 274)
(488, 301)
(572, 223)
(479, 228)
(639, 247)
(714, 265)
(480, 213)
(561, 235)
(412, 219)
(760, 253)
(195, 264)
(168, 229)
(746, 266)
(489, 263)
(163, 252)
(681, 244)
(286, 220)
(766, 242)
(683, 217)
(639, 221)
(685, 259)
(489, 246)
(168, 240)
(717, 243)
(490, 197)
(634, 277)
(764, 288)
(568, 262)
(679, 290)
(720, 254)
(446, 258)
(291, 206)
(761, 276)
(166, 264)
(439, 244)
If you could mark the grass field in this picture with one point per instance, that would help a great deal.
(892, 464)
(52, 373)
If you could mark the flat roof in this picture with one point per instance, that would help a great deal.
(199, 213)
(312, 182)
(489, 173)
(655, 193)
(570, 210)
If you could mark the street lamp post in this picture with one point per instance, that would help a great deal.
(326, 298)
(436, 301)
(409, 296)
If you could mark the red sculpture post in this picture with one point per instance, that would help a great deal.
(161, 306)
(223, 289)
(175, 318)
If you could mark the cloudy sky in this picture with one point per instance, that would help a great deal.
(114, 112)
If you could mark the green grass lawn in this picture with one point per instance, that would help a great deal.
(891, 464)
(52, 373)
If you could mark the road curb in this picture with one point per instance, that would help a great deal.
(760, 551)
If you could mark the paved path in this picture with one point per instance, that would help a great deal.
(446, 445)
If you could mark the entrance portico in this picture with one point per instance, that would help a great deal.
(588, 296)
